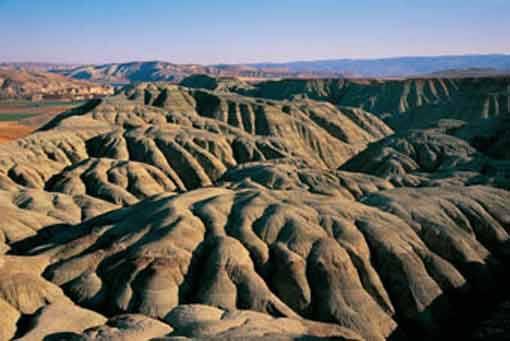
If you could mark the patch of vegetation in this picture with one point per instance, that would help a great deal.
(32, 104)
(4, 117)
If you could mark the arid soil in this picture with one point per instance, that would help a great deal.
(20, 118)
(13, 130)
(218, 209)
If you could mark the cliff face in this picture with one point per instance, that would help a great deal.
(409, 103)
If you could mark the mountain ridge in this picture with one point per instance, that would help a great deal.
(159, 70)
(426, 64)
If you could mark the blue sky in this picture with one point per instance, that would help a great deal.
(231, 31)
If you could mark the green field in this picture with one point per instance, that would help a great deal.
(21, 103)
(15, 110)
(4, 117)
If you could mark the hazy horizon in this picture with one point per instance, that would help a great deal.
(264, 31)
(298, 60)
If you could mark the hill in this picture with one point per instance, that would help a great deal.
(166, 72)
(134, 72)
(23, 84)
(402, 103)
(203, 211)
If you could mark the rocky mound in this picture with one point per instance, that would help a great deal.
(172, 213)
(26, 211)
(223, 84)
(428, 158)
(294, 175)
(288, 253)
(201, 322)
(209, 132)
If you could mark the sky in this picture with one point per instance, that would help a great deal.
(243, 31)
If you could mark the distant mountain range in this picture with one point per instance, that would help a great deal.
(437, 66)
(169, 72)
(397, 67)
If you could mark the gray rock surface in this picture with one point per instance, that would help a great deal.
(173, 213)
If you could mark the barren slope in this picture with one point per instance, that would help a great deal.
(404, 104)
(171, 212)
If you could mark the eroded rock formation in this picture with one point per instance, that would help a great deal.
(168, 212)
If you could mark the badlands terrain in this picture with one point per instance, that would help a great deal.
(298, 209)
